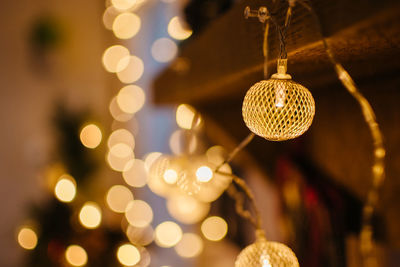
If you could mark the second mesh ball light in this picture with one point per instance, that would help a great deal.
(265, 253)
(278, 109)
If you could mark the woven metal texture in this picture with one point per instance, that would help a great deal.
(278, 109)
(266, 254)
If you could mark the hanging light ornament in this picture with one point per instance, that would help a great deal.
(192, 175)
(263, 253)
(277, 109)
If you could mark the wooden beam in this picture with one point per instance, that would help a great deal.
(226, 59)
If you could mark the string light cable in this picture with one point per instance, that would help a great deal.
(277, 108)
(378, 168)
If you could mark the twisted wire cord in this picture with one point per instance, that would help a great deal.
(378, 168)
(255, 219)
(282, 30)
(239, 205)
(232, 191)
(236, 150)
(265, 49)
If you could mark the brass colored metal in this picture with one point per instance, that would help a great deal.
(278, 109)
(263, 253)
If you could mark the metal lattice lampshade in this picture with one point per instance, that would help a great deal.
(263, 253)
(278, 109)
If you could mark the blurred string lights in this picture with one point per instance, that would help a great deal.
(65, 189)
(76, 255)
(262, 252)
(27, 238)
(189, 180)
(122, 19)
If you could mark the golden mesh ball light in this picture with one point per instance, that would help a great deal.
(278, 109)
(170, 173)
(264, 253)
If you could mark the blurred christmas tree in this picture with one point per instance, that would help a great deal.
(68, 229)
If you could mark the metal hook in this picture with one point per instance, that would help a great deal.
(262, 13)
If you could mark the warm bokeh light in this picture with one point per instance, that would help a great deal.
(121, 143)
(118, 197)
(65, 189)
(126, 25)
(204, 174)
(185, 115)
(121, 136)
(135, 173)
(139, 213)
(191, 245)
(170, 176)
(91, 136)
(145, 257)
(131, 98)
(168, 234)
(150, 159)
(187, 209)
(123, 4)
(128, 255)
(164, 50)
(118, 163)
(216, 154)
(76, 255)
(27, 238)
(214, 228)
(90, 215)
(112, 58)
(121, 150)
(108, 17)
(117, 113)
(180, 142)
(177, 29)
(133, 71)
(141, 236)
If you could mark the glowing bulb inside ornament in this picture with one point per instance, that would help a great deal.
(278, 109)
(264, 253)
(170, 176)
(204, 174)
(265, 261)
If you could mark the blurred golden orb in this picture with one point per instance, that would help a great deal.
(27, 238)
(112, 57)
(178, 30)
(190, 246)
(128, 255)
(168, 234)
(118, 197)
(126, 25)
(90, 215)
(263, 253)
(76, 255)
(164, 50)
(138, 213)
(214, 228)
(91, 136)
(65, 189)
